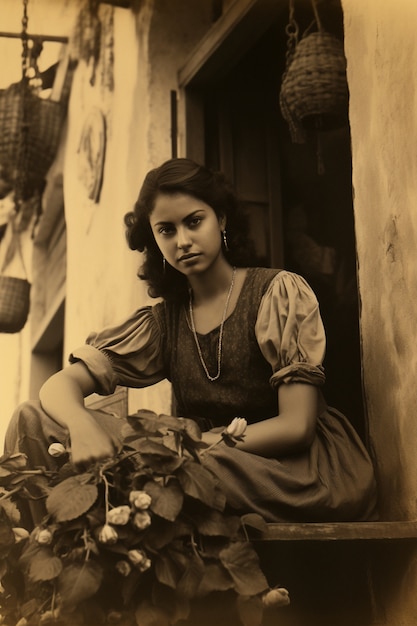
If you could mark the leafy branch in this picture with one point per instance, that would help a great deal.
(135, 539)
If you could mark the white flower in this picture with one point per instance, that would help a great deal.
(234, 432)
(139, 559)
(56, 449)
(276, 597)
(108, 534)
(123, 567)
(119, 515)
(141, 520)
(146, 564)
(43, 536)
(136, 556)
(49, 617)
(140, 499)
(20, 534)
(236, 427)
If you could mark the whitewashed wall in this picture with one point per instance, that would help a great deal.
(381, 49)
(149, 47)
(45, 17)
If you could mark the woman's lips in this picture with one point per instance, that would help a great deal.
(189, 256)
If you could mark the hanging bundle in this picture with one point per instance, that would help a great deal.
(314, 91)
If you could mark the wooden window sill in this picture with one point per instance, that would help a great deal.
(341, 531)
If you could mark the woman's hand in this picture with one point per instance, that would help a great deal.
(292, 431)
(62, 397)
(89, 442)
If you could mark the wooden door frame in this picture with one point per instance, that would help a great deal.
(215, 56)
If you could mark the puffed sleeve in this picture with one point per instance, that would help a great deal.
(129, 354)
(290, 331)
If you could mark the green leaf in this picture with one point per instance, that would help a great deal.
(4, 472)
(160, 458)
(180, 571)
(161, 532)
(191, 577)
(254, 521)
(250, 610)
(36, 487)
(177, 607)
(191, 428)
(216, 578)
(146, 422)
(214, 524)
(78, 582)
(166, 569)
(6, 534)
(14, 461)
(11, 510)
(130, 586)
(44, 565)
(242, 563)
(166, 500)
(199, 483)
(71, 498)
(149, 615)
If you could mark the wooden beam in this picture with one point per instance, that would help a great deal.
(228, 39)
(55, 38)
(341, 531)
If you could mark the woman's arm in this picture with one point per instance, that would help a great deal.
(290, 431)
(62, 397)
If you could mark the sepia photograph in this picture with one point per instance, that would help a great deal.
(208, 293)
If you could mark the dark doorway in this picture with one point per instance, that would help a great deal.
(298, 196)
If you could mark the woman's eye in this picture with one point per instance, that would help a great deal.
(165, 230)
(195, 221)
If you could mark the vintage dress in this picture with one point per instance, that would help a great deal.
(273, 336)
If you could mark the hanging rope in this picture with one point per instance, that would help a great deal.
(292, 31)
(22, 160)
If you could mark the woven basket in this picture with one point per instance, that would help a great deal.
(45, 120)
(314, 91)
(14, 303)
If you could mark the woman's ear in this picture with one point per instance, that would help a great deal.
(222, 222)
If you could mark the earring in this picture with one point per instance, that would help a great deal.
(226, 247)
(164, 263)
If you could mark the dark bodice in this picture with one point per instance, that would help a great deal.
(243, 388)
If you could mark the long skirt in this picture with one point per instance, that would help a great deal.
(331, 481)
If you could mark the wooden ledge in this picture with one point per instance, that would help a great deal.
(341, 531)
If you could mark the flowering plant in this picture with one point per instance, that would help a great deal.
(133, 540)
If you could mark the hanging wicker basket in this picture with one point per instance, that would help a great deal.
(14, 283)
(42, 123)
(14, 303)
(314, 91)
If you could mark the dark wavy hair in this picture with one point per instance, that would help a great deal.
(184, 176)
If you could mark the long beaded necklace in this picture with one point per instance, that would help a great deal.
(220, 342)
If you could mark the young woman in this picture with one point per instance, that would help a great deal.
(234, 340)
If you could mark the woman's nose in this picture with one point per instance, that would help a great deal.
(183, 238)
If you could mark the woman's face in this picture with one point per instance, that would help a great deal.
(187, 231)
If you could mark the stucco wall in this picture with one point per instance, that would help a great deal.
(381, 49)
(149, 48)
(15, 349)
(382, 56)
